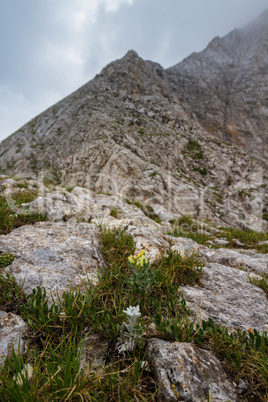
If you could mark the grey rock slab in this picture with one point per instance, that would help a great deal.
(150, 240)
(54, 255)
(162, 213)
(184, 246)
(246, 260)
(221, 242)
(261, 243)
(12, 330)
(228, 298)
(184, 372)
(52, 206)
(94, 351)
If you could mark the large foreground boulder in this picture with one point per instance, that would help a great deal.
(54, 256)
(229, 298)
(187, 373)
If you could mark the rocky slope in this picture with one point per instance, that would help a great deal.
(127, 132)
(66, 251)
(225, 86)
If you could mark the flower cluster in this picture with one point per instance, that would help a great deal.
(142, 276)
(133, 314)
(128, 338)
(139, 260)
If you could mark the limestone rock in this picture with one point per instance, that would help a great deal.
(94, 351)
(54, 255)
(184, 246)
(162, 213)
(151, 241)
(249, 261)
(187, 373)
(12, 331)
(228, 298)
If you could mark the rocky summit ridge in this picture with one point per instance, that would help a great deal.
(192, 138)
(225, 86)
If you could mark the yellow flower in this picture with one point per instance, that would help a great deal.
(141, 253)
(130, 259)
(142, 261)
(138, 259)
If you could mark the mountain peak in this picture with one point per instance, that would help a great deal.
(264, 15)
(131, 54)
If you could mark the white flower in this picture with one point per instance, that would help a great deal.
(133, 311)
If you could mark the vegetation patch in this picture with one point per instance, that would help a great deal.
(261, 282)
(11, 295)
(180, 270)
(194, 150)
(153, 174)
(6, 259)
(146, 209)
(247, 239)
(186, 227)
(141, 131)
(57, 330)
(265, 216)
(9, 220)
(203, 171)
(114, 212)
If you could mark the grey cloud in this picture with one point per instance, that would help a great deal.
(37, 41)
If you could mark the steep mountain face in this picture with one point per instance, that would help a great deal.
(133, 131)
(226, 86)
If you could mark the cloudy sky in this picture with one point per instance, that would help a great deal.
(49, 48)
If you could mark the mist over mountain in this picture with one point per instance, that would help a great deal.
(226, 86)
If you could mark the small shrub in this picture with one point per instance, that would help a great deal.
(22, 185)
(24, 197)
(194, 150)
(261, 282)
(146, 209)
(265, 216)
(114, 212)
(6, 259)
(202, 171)
(9, 221)
(180, 270)
(11, 295)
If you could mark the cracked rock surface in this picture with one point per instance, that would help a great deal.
(12, 330)
(188, 373)
(53, 255)
(228, 298)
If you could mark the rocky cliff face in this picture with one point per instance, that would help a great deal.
(226, 86)
(136, 129)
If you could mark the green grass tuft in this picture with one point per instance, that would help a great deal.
(10, 221)
(6, 259)
(58, 330)
(261, 282)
